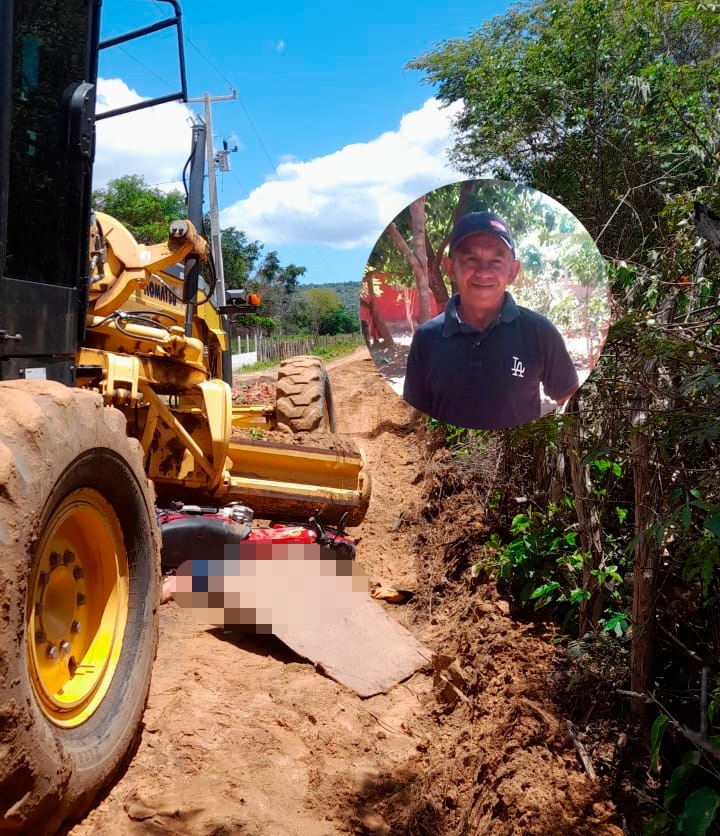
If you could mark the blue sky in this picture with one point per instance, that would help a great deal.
(334, 136)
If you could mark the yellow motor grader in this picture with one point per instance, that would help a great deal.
(111, 397)
(161, 360)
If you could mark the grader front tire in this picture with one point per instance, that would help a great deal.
(304, 399)
(79, 598)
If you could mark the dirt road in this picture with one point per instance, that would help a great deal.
(243, 737)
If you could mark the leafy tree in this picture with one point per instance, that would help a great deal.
(247, 266)
(318, 310)
(147, 212)
(410, 250)
(143, 209)
(349, 292)
(588, 101)
(276, 285)
(611, 108)
(319, 304)
(339, 320)
(239, 256)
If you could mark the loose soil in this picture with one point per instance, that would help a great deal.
(242, 736)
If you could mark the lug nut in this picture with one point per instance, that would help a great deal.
(76, 627)
(68, 557)
(65, 648)
(40, 636)
(52, 652)
(78, 572)
(81, 599)
(43, 578)
(54, 559)
(38, 608)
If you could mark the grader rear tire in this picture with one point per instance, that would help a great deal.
(79, 601)
(304, 399)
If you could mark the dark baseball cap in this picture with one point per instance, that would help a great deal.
(481, 222)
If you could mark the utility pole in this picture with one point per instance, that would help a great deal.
(215, 237)
(195, 216)
(215, 244)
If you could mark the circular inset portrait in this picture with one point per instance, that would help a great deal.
(485, 304)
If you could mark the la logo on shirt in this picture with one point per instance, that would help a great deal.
(518, 369)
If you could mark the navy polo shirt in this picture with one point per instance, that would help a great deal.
(489, 379)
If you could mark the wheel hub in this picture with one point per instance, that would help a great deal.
(77, 607)
(60, 597)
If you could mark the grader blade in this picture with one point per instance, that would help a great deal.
(284, 482)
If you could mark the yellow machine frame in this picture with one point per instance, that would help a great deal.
(138, 355)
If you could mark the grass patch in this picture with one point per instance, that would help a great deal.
(262, 366)
(338, 349)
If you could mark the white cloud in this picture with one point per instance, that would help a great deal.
(345, 199)
(154, 143)
(280, 47)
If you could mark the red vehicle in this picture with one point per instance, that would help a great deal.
(191, 531)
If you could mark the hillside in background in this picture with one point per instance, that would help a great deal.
(349, 293)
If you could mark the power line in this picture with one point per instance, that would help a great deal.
(161, 14)
(265, 151)
(145, 67)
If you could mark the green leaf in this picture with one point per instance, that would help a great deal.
(657, 825)
(525, 593)
(656, 735)
(520, 523)
(713, 525)
(545, 589)
(618, 624)
(679, 778)
(698, 813)
(686, 517)
(658, 531)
